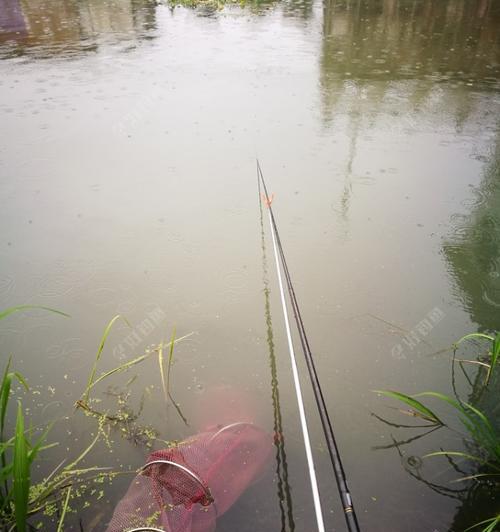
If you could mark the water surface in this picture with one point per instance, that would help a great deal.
(129, 132)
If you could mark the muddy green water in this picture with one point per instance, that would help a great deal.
(128, 137)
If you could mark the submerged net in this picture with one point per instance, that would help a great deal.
(186, 487)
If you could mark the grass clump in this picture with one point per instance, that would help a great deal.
(479, 463)
(23, 498)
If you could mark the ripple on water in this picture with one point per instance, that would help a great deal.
(7, 285)
(491, 296)
(478, 198)
(235, 284)
(64, 278)
(70, 348)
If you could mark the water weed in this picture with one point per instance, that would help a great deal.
(477, 428)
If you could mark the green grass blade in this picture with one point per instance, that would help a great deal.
(162, 373)
(6, 472)
(169, 369)
(417, 406)
(474, 335)
(476, 476)
(19, 308)
(83, 455)
(4, 399)
(33, 452)
(496, 346)
(460, 454)
(21, 380)
(170, 359)
(5, 393)
(125, 366)
(492, 522)
(107, 330)
(495, 354)
(462, 408)
(21, 473)
(446, 398)
(473, 419)
(63, 514)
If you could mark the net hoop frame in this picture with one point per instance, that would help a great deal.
(146, 529)
(230, 426)
(188, 471)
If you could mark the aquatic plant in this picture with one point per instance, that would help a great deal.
(479, 431)
(21, 497)
(124, 418)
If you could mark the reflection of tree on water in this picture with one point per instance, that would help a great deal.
(62, 26)
(393, 39)
(373, 44)
(473, 256)
(392, 63)
(473, 253)
(482, 499)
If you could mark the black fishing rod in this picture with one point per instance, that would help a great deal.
(338, 469)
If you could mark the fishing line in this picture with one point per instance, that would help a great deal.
(345, 496)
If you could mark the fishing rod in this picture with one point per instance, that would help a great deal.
(338, 469)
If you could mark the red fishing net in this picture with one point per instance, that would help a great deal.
(186, 487)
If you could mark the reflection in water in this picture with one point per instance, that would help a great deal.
(473, 256)
(390, 40)
(12, 20)
(284, 493)
(397, 69)
(481, 501)
(473, 253)
(49, 27)
(390, 73)
(384, 63)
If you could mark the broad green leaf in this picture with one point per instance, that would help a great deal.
(417, 406)
(5, 392)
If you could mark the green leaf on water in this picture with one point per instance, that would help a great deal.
(491, 524)
(19, 308)
(418, 408)
(474, 335)
(460, 454)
